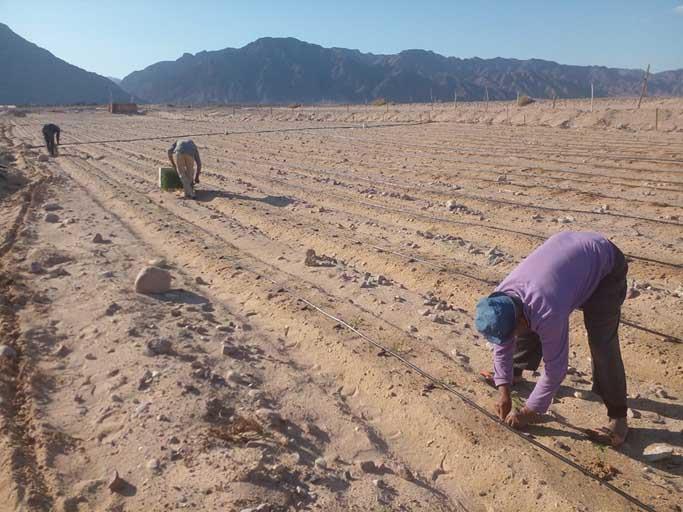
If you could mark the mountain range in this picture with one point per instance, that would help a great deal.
(287, 70)
(284, 70)
(32, 75)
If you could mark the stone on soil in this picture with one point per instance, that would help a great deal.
(116, 483)
(35, 267)
(51, 218)
(657, 451)
(8, 352)
(153, 280)
(160, 346)
(61, 351)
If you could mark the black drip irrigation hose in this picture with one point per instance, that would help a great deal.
(385, 125)
(577, 155)
(441, 268)
(482, 199)
(666, 337)
(471, 403)
(245, 132)
(435, 152)
(443, 220)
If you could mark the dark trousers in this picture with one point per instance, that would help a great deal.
(50, 143)
(601, 315)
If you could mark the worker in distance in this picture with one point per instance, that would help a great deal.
(186, 156)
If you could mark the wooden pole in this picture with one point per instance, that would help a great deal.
(643, 91)
(554, 99)
(487, 98)
(455, 99)
(656, 119)
(591, 96)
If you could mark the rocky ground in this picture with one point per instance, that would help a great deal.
(254, 383)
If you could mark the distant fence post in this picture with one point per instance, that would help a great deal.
(554, 99)
(487, 98)
(591, 96)
(656, 119)
(455, 100)
(643, 90)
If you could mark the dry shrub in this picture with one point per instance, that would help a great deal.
(295, 105)
(524, 100)
(379, 102)
(240, 430)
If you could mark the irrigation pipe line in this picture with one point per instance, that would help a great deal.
(423, 373)
(433, 218)
(480, 198)
(634, 325)
(519, 173)
(584, 155)
(489, 282)
(425, 216)
(537, 185)
(399, 142)
(575, 143)
(245, 132)
(473, 404)
(619, 156)
(515, 172)
(627, 322)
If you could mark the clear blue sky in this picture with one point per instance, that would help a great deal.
(117, 37)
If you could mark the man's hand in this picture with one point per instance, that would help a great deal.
(520, 418)
(504, 405)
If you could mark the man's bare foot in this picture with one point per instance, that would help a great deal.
(614, 434)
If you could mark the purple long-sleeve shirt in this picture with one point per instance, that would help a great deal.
(551, 282)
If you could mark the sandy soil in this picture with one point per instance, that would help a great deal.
(268, 391)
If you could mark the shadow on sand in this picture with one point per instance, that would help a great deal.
(180, 296)
(638, 438)
(206, 196)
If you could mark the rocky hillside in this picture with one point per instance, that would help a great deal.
(32, 75)
(282, 70)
